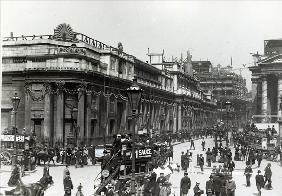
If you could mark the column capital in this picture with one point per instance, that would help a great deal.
(27, 87)
(263, 77)
(60, 87)
(255, 79)
(278, 75)
(82, 87)
(47, 88)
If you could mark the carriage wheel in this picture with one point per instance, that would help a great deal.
(6, 158)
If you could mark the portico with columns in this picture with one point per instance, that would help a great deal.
(267, 88)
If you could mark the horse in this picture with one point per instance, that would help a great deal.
(34, 189)
(45, 157)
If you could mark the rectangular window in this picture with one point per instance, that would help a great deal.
(112, 106)
(113, 63)
(19, 60)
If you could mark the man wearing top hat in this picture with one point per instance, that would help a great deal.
(209, 186)
(185, 185)
(259, 182)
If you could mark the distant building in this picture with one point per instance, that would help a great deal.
(267, 82)
(68, 71)
(224, 85)
(203, 67)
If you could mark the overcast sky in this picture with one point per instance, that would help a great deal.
(213, 30)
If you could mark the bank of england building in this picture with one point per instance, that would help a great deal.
(66, 72)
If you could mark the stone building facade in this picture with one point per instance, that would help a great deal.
(225, 85)
(267, 82)
(55, 74)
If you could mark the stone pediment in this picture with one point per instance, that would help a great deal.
(271, 59)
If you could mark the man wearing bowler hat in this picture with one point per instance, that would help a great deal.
(259, 182)
(197, 190)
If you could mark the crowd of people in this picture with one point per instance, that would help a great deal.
(220, 182)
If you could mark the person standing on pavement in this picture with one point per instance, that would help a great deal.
(197, 190)
(187, 160)
(66, 170)
(201, 162)
(248, 173)
(203, 144)
(230, 186)
(185, 185)
(68, 186)
(210, 186)
(192, 144)
(259, 182)
(92, 154)
(182, 160)
(209, 157)
(259, 157)
(268, 175)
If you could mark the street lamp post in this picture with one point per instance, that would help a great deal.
(227, 105)
(74, 112)
(134, 93)
(15, 101)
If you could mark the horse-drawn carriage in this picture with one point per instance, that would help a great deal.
(7, 147)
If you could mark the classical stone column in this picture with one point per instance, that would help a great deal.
(179, 117)
(124, 119)
(89, 98)
(80, 114)
(174, 118)
(27, 109)
(47, 112)
(264, 95)
(279, 94)
(59, 114)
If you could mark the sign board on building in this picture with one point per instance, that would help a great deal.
(264, 126)
(10, 138)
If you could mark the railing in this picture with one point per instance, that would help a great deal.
(30, 37)
(79, 37)
(103, 46)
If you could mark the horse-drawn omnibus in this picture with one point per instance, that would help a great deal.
(7, 147)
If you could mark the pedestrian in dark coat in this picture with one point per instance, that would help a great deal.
(152, 188)
(92, 154)
(197, 190)
(68, 186)
(217, 183)
(209, 157)
(203, 144)
(259, 158)
(259, 182)
(248, 173)
(192, 144)
(230, 186)
(268, 175)
(201, 162)
(182, 160)
(209, 187)
(185, 185)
